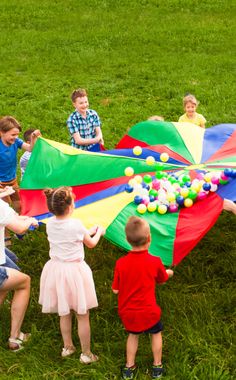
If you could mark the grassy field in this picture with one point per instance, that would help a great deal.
(136, 58)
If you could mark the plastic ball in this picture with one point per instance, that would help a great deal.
(184, 192)
(162, 209)
(214, 187)
(156, 184)
(145, 186)
(224, 177)
(188, 183)
(201, 196)
(228, 172)
(132, 182)
(159, 175)
(186, 178)
(129, 171)
(137, 199)
(233, 175)
(207, 177)
(138, 179)
(164, 157)
(192, 194)
(173, 207)
(147, 178)
(129, 189)
(188, 202)
(158, 166)
(152, 206)
(223, 182)
(170, 197)
(141, 208)
(153, 192)
(150, 160)
(152, 198)
(180, 200)
(215, 180)
(137, 150)
(206, 186)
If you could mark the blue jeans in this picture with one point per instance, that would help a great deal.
(11, 259)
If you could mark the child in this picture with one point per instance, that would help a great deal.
(9, 145)
(66, 282)
(135, 278)
(26, 156)
(84, 124)
(10, 277)
(156, 118)
(190, 104)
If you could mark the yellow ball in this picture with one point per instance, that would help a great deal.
(129, 171)
(207, 177)
(170, 197)
(188, 202)
(184, 192)
(141, 208)
(150, 160)
(132, 182)
(138, 179)
(162, 209)
(164, 157)
(152, 206)
(137, 150)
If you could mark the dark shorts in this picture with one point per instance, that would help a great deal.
(3, 275)
(158, 327)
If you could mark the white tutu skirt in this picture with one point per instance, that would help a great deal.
(66, 286)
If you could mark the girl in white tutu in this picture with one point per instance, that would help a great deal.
(66, 282)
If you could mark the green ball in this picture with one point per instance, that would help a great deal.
(147, 178)
(186, 178)
(192, 194)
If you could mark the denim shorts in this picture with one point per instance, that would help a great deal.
(3, 275)
(158, 327)
(11, 259)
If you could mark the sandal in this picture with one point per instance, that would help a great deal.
(88, 359)
(67, 351)
(16, 344)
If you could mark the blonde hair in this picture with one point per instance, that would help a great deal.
(79, 93)
(137, 231)
(190, 98)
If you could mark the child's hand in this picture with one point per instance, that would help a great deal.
(170, 272)
(36, 133)
(34, 222)
(93, 230)
(101, 230)
(5, 191)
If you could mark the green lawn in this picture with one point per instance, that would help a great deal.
(136, 58)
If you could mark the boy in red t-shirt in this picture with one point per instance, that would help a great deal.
(135, 277)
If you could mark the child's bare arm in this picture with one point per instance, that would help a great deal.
(91, 241)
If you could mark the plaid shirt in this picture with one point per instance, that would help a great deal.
(86, 127)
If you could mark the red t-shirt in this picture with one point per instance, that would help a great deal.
(136, 275)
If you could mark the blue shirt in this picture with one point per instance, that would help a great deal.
(85, 126)
(8, 160)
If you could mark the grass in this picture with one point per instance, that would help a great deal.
(136, 58)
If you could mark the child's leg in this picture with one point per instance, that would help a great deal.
(157, 348)
(66, 330)
(131, 349)
(84, 332)
(229, 205)
(20, 283)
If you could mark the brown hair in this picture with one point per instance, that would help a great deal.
(190, 98)
(7, 123)
(137, 231)
(59, 200)
(79, 93)
(28, 133)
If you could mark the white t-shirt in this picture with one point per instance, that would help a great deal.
(66, 239)
(6, 215)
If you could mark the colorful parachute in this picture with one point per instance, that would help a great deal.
(99, 183)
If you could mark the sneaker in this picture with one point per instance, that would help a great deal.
(129, 372)
(157, 371)
(88, 359)
(67, 351)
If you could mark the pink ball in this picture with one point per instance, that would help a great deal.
(156, 184)
(224, 177)
(201, 196)
(215, 180)
(200, 176)
(173, 207)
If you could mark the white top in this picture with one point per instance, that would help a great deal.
(65, 238)
(24, 161)
(6, 215)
